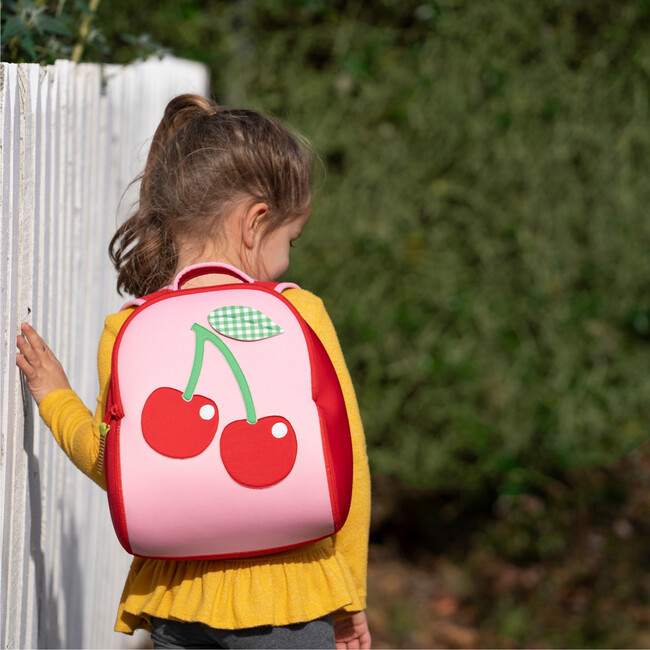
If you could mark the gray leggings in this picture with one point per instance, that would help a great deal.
(178, 634)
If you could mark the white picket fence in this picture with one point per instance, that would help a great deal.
(72, 138)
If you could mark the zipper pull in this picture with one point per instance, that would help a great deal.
(103, 430)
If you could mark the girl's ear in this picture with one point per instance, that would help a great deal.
(253, 220)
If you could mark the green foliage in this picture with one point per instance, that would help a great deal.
(481, 239)
(41, 32)
(566, 569)
(32, 32)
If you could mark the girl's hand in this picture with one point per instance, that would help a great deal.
(41, 368)
(352, 632)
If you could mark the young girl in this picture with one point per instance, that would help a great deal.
(228, 186)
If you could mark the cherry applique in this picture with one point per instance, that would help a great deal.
(176, 427)
(260, 454)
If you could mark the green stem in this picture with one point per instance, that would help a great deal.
(203, 335)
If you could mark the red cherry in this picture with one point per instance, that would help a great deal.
(176, 428)
(259, 455)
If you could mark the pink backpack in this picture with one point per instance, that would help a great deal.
(226, 433)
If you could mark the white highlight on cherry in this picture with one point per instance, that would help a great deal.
(279, 430)
(206, 412)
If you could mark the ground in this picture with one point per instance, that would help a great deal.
(568, 567)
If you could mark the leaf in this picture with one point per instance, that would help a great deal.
(243, 323)
(14, 26)
(27, 43)
(54, 26)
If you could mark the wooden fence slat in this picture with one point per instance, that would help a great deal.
(12, 512)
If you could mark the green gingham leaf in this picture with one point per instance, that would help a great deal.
(243, 323)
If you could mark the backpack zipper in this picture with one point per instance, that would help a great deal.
(103, 430)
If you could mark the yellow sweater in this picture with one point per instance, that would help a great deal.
(291, 587)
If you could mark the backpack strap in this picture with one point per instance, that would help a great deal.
(208, 268)
(278, 286)
(136, 302)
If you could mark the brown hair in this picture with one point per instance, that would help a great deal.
(204, 158)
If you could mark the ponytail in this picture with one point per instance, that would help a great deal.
(143, 252)
(142, 249)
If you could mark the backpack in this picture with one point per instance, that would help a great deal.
(226, 433)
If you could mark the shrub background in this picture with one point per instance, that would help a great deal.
(481, 237)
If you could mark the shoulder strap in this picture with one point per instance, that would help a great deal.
(279, 287)
(136, 302)
(207, 268)
(197, 270)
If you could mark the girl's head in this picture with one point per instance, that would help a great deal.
(229, 183)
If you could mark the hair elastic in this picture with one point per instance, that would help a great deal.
(213, 113)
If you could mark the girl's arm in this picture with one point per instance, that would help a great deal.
(350, 627)
(352, 539)
(73, 425)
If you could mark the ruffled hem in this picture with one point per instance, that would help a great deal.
(273, 590)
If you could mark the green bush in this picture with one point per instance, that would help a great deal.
(42, 31)
(481, 238)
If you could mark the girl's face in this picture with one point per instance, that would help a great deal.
(273, 249)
